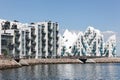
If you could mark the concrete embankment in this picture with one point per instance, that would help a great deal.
(6, 64)
(48, 61)
(106, 60)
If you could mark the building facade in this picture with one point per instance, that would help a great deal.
(35, 40)
(89, 43)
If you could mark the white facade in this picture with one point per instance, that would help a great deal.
(89, 43)
(42, 40)
(35, 40)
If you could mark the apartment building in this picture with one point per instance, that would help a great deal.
(89, 43)
(35, 40)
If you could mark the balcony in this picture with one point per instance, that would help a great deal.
(50, 52)
(27, 47)
(43, 44)
(11, 46)
(34, 43)
(57, 32)
(27, 31)
(50, 48)
(43, 40)
(50, 28)
(33, 50)
(57, 45)
(33, 28)
(43, 36)
(33, 35)
(27, 38)
(17, 49)
(17, 33)
(57, 38)
(57, 27)
(17, 42)
(43, 32)
(32, 39)
(14, 26)
(6, 25)
(50, 43)
(43, 50)
(50, 36)
(27, 42)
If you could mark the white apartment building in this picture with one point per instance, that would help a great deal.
(35, 40)
(89, 43)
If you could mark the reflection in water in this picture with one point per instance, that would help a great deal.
(63, 71)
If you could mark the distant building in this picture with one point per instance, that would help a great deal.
(89, 43)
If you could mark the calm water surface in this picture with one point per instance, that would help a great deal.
(109, 71)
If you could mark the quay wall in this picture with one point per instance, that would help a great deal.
(49, 61)
(9, 63)
(107, 60)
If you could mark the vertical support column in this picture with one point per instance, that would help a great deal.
(0, 43)
(36, 40)
(54, 28)
(46, 37)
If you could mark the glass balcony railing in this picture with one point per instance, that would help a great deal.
(33, 35)
(33, 43)
(50, 48)
(17, 34)
(43, 44)
(33, 28)
(50, 42)
(17, 42)
(50, 36)
(50, 28)
(27, 47)
(43, 50)
(27, 39)
(17, 49)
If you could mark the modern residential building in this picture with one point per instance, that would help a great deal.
(89, 43)
(35, 40)
(49, 39)
(42, 40)
(6, 46)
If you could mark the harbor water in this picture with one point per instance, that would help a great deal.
(101, 71)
